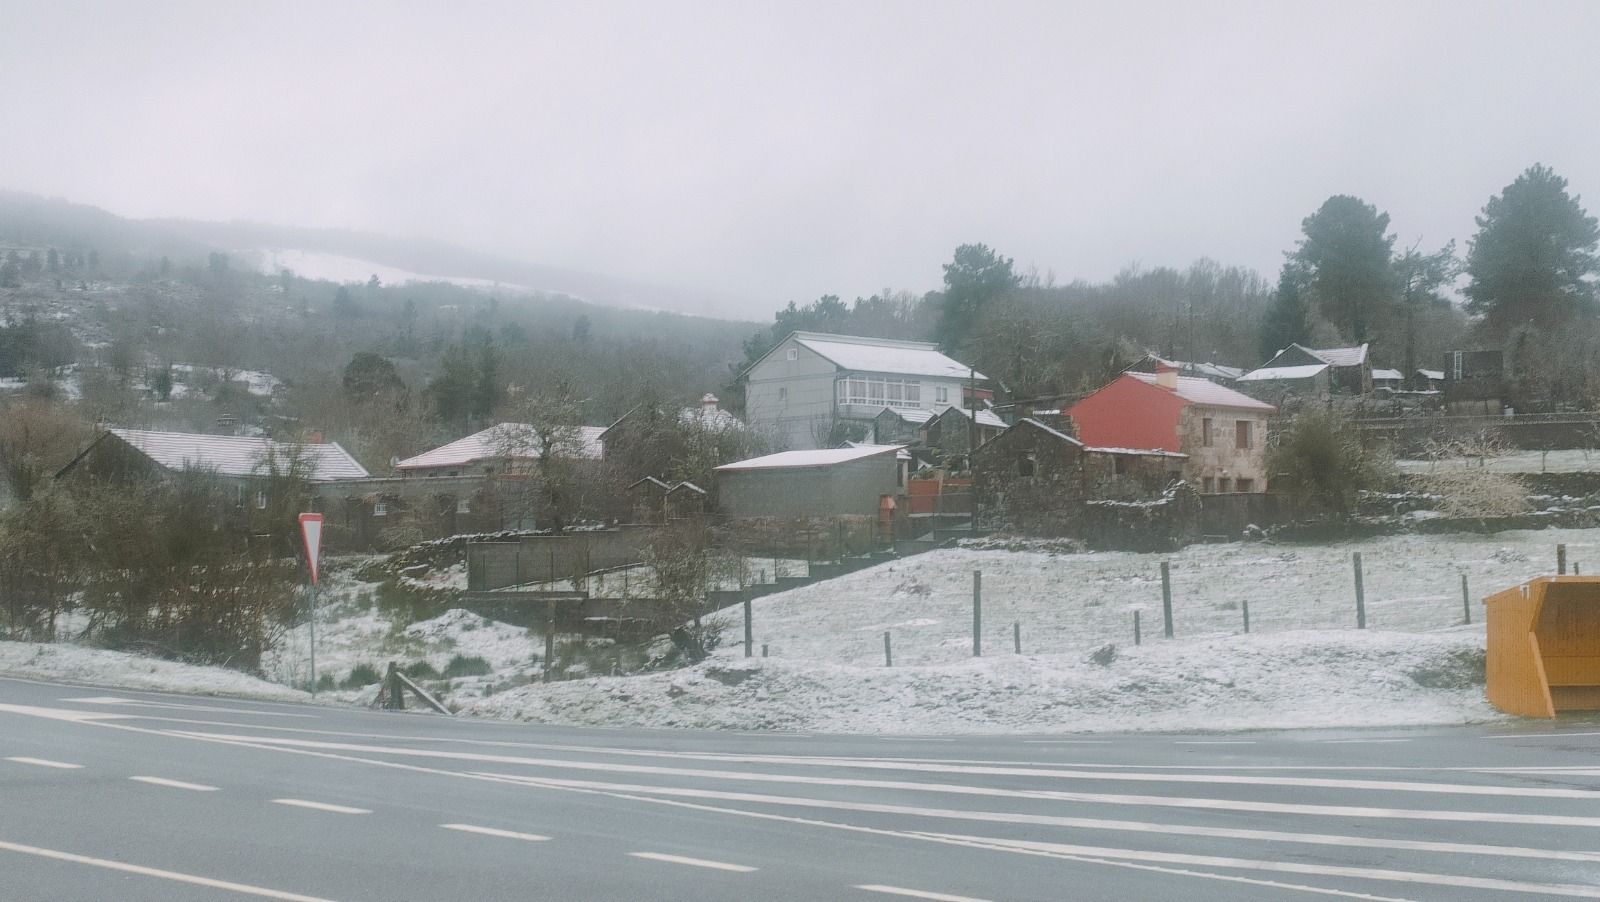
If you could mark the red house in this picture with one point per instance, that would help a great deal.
(1223, 431)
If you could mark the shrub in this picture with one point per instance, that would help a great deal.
(360, 675)
(325, 682)
(1475, 494)
(1320, 458)
(463, 666)
(421, 670)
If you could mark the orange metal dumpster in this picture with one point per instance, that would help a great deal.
(1544, 646)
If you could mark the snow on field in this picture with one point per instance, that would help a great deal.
(319, 265)
(1288, 680)
(99, 667)
(1067, 603)
(1565, 461)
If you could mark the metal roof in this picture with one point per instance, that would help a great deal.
(1203, 391)
(986, 417)
(821, 457)
(1342, 356)
(1392, 375)
(884, 355)
(235, 455)
(496, 442)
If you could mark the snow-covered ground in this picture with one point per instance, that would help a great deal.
(1565, 461)
(319, 265)
(98, 667)
(1288, 680)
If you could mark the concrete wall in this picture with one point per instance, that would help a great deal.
(1223, 460)
(791, 400)
(842, 490)
(495, 565)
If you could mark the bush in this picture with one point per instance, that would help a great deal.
(464, 666)
(325, 682)
(360, 675)
(421, 670)
(1473, 494)
(1320, 458)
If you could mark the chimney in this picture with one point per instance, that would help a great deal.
(1167, 376)
(709, 402)
(315, 437)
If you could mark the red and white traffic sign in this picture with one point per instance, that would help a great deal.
(311, 531)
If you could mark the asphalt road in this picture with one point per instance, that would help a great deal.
(137, 796)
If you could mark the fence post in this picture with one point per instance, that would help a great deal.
(763, 649)
(549, 636)
(1561, 560)
(977, 613)
(1016, 636)
(1136, 627)
(1246, 606)
(1166, 598)
(1361, 598)
(1466, 599)
(888, 657)
(396, 700)
(749, 632)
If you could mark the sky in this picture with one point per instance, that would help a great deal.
(762, 153)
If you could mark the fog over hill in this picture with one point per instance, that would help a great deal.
(339, 255)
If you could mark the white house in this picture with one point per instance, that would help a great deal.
(805, 388)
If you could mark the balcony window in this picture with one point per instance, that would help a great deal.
(877, 391)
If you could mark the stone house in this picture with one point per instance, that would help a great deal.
(1222, 433)
(1036, 479)
(1312, 372)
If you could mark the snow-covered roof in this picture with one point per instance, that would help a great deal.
(910, 414)
(648, 480)
(1390, 375)
(884, 355)
(1208, 370)
(495, 442)
(902, 454)
(233, 455)
(686, 486)
(1271, 373)
(985, 417)
(1435, 375)
(821, 457)
(1342, 356)
(1203, 391)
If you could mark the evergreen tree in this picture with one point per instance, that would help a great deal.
(1286, 321)
(1532, 262)
(1346, 254)
(975, 276)
(344, 305)
(1421, 279)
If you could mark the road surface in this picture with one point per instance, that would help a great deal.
(133, 796)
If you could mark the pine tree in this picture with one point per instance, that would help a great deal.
(1532, 262)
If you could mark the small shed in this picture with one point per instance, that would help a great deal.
(685, 500)
(648, 499)
(830, 482)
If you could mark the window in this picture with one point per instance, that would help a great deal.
(791, 354)
(1224, 485)
(261, 501)
(941, 395)
(1026, 464)
(1244, 434)
(878, 391)
(1209, 485)
(1205, 432)
(783, 394)
(380, 508)
(463, 506)
(1119, 465)
(1247, 485)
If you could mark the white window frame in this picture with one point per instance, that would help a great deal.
(880, 391)
(791, 354)
(380, 508)
(463, 506)
(941, 394)
(261, 500)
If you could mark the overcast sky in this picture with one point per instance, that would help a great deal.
(768, 152)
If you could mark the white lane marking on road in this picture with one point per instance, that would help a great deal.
(143, 871)
(735, 812)
(914, 739)
(492, 831)
(321, 806)
(59, 713)
(1359, 741)
(915, 893)
(1067, 741)
(174, 784)
(1055, 795)
(1050, 820)
(1539, 735)
(1213, 742)
(693, 862)
(1459, 881)
(142, 703)
(44, 762)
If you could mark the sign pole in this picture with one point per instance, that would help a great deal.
(313, 639)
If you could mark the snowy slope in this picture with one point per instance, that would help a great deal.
(320, 265)
(98, 667)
